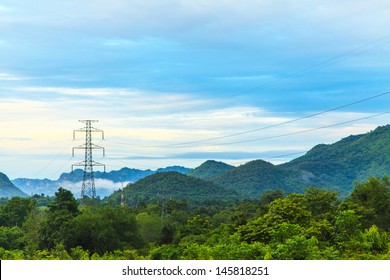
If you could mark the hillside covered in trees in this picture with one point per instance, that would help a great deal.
(7, 189)
(335, 166)
(173, 185)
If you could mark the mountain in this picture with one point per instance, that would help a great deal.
(334, 166)
(123, 175)
(354, 158)
(209, 169)
(175, 168)
(172, 185)
(7, 189)
(255, 177)
(105, 182)
(36, 186)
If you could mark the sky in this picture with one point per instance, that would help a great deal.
(179, 82)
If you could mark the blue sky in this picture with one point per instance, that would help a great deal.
(158, 73)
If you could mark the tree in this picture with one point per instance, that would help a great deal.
(150, 226)
(32, 226)
(297, 248)
(347, 229)
(11, 238)
(268, 196)
(321, 202)
(64, 200)
(374, 241)
(60, 213)
(285, 218)
(291, 209)
(373, 194)
(16, 210)
(103, 230)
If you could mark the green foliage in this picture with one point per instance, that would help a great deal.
(177, 185)
(103, 230)
(292, 209)
(374, 198)
(15, 211)
(252, 178)
(32, 226)
(150, 227)
(11, 254)
(354, 158)
(347, 229)
(209, 169)
(334, 167)
(11, 238)
(321, 201)
(64, 201)
(64, 208)
(374, 241)
(311, 225)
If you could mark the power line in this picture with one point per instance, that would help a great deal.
(281, 135)
(280, 124)
(348, 54)
(303, 131)
(256, 129)
(50, 163)
(131, 163)
(330, 61)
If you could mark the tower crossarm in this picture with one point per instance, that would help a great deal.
(88, 186)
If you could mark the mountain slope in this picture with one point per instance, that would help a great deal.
(354, 158)
(209, 169)
(7, 189)
(255, 177)
(172, 185)
(336, 166)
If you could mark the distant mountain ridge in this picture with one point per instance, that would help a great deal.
(333, 166)
(7, 189)
(49, 187)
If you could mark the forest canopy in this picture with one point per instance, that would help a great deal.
(316, 224)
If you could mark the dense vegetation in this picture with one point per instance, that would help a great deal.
(315, 224)
(336, 166)
(209, 169)
(173, 185)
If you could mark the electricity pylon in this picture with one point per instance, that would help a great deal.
(88, 187)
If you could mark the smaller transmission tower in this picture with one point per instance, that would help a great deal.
(88, 186)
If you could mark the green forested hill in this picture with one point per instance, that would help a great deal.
(210, 168)
(354, 158)
(255, 177)
(172, 185)
(336, 166)
(7, 189)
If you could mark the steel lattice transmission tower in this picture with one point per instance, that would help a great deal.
(88, 187)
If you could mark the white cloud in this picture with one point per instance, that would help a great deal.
(74, 91)
(103, 187)
(11, 77)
